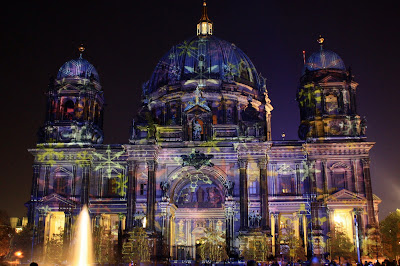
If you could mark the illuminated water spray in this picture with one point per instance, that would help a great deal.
(83, 252)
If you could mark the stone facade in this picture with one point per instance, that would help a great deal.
(201, 156)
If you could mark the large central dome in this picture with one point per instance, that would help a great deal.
(204, 57)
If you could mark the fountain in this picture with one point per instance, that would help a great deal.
(83, 251)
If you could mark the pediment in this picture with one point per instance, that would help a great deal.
(197, 109)
(345, 195)
(57, 200)
(376, 198)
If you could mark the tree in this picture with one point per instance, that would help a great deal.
(137, 247)
(54, 248)
(295, 249)
(103, 246)
(259, 248)
(212, 246)
(6, 234)
(340, 244)
(22, 241)
(372, 245)
(390, 230)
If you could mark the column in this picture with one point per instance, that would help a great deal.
(67, 228)
(244, 220)
(119, 246)
(131, 195)
(229, 216)
(273, 233)
(46, 180)
(151, 194)
(276, 235)
(73, 182)
(296, 225)
(35, 182)
(368, 191)
(355, 176)
(34, 193)
(85, 185)
(305, 232)
(264, 208)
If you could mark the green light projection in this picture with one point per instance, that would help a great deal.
(109, 161)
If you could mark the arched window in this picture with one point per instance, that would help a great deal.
(68, 110)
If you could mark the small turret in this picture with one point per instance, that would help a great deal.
(75, 105)
(327, 99)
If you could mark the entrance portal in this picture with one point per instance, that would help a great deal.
(200, 211)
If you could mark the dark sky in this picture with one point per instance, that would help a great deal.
(125, 39)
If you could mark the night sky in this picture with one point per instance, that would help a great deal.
(125, 39)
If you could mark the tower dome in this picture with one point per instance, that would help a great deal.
(204, 57)
(79, 67)
(324, 59)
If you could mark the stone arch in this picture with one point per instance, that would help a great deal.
(180, 177)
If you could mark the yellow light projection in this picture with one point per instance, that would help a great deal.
(343, 220)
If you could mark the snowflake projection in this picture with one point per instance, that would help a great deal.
(187, 48)
(308, 170)
(44, 210)
(83, 158)
(211, 146)
(121, 185)
(108, 162)
(50, 155)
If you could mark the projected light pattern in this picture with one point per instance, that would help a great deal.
(200, 157)
(109, 161)
(204, 57)
(78, 68)
(324, 59)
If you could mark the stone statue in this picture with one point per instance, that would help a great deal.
(164, 186)
(196, 130)
(133, 135)
(363, 126)
(229, 185)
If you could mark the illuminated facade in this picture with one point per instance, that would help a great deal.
(200, 154)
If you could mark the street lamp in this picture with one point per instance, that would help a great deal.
(18, 254)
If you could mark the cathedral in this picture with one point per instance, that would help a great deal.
(200, 156)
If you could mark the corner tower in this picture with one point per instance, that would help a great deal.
(75, 105)
(327, 99)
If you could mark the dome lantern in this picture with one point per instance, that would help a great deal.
(205, 26)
